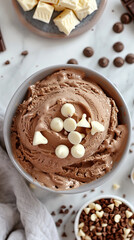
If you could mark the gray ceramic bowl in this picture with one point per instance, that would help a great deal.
(110, 90)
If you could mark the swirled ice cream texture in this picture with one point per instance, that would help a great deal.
(43, 103)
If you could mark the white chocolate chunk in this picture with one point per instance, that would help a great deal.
(128, 214)
(116, 186)
(39, 139)
(43, 12)
(104, 225)
(66, 21)
(117, 218)
(62, 151)
(83, 122)
(58, 8)
(92, 205)
(27, 5)
(68, 110)
(78, 151)
(93, 217)
(74, 137)
(98, 207)
(131, 222)
(117, 203)
(87, 210)
(99, 214)
(87, 237)
(126, 231)
(81, 233)
(69, 124)
(96, 127)
(92, 228)
(81, 225)
(111, 206)
(50, 1)
(71, 4)
(56, 124)
(98, 234)
(84, 8)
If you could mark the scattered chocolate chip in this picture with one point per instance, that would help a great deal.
(92, 190)
(126, 18)
(118, 62)
(129, 176)
(70, 206)
(63, 206)
(73, 221)
(130, 58)
(118, 47)
(118, 27)
(66, 211)
(53, 213)
(64, 234)
(124, 195)
(72, 61)
(103, 62)
(113, 10)
(130, 150)
(61, 211)
(85, 195)
(2, 44)
(102, 191)
(73, 212)
(88, 52)
(60, 221)
(7, 62)
(24, 53)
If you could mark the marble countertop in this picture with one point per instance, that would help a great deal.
(46, 52)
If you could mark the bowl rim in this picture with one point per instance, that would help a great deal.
(52, 69)
(106, 196)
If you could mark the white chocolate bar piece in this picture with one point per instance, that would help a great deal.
(50, 1)
(43, 12)
(85, 8)
(27, 5)
(71, 4)
(66, 21)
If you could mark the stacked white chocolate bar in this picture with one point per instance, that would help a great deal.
(73, 11)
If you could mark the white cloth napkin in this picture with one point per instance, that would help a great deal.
(19, 208)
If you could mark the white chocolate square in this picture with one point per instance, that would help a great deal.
(50, 1)
(85, 8)
(27, 5)
(43, 12)
(66, 21)
(71, 4)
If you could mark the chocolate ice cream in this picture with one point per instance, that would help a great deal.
(43, 103)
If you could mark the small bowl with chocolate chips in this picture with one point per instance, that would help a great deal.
(107, 217)
(67, 129)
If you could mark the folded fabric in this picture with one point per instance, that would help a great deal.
(22, 215)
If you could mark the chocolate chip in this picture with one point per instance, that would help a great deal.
(130, 150)
(73, 212)
(118, 62)
(24, 53)
(85, 195)
(118, 46)
(126, 18)
(103, 62)
(130, 58)
(118, 27)
(53, 213)
(70, 206)
(66, 211)
(124, 195)
(92, 190)
(72, 61)
(63, 206)
(64, 234)
(7, 62)
(88, 52)
(2, 43)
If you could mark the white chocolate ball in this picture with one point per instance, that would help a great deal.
(56, 124)
(78, 151)
(62, 151)
(67, 110)
(74, 137)
(69, 124)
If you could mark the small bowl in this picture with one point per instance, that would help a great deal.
(108, 88)
(93, 200)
